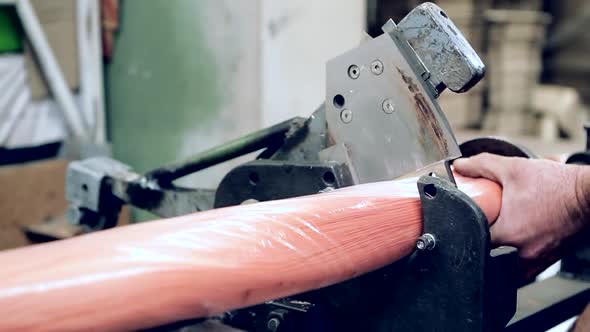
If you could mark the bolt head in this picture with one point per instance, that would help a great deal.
(273, 324)
(377, 67)
(346, 116)
(354, 72)
(426, 242)
(388, 106)
(420, 244)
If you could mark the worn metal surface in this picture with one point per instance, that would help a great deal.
(412, 137)
(89, 191)
(98, 187)
(85, 179)
(443, 49)
(168, 201)
(304, 144)
(265, 180)
(284, 315)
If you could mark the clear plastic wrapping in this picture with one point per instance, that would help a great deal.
(206, 263)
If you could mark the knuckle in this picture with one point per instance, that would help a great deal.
(513, 169)
(486, 156)
(530, 253)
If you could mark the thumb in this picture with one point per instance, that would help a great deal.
(484, 165)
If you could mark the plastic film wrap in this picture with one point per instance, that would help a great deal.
(202, 264)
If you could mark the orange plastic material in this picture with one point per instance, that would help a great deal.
(197, 265)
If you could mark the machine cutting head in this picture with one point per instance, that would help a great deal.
(381, 98)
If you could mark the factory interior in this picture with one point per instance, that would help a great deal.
(279, 166)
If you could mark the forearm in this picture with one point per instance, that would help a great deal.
(583, 323)
(583, 195)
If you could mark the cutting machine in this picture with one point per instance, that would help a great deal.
(380, 121)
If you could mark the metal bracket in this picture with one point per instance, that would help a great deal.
(453, 286)
(89, 191)
(98, 187)
(264, 180)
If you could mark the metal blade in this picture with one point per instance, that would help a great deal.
(384, 112)
(381, 106)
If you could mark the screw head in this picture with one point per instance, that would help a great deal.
(354, 72)
(426, 242)
(388, 106)
(273, 324)
(346, 116)
(377, 67)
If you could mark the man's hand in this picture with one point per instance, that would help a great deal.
(544, 205)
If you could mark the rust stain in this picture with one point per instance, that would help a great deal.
(430, 127)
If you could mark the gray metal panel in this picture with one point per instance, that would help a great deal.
(385, 144)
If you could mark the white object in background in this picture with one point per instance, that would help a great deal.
(91, 74)
(51, 69)
(550, 271)
(12, 81)
(565, 326)
(40, 123)
(24, 122)
(13, 98)
(14, 103)
(548, 128)
(562, 108)
(298, 38)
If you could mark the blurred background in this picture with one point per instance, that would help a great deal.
(150, 82)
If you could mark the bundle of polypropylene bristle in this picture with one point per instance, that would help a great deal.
(151, 274)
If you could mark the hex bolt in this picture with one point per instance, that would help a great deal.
(354, 72)
(388, 106)
(377, 67)
(346, 116)
(426, 242)
(273, 324)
